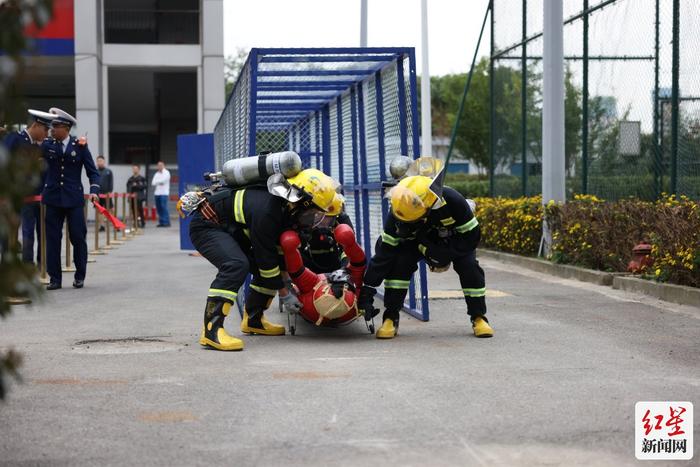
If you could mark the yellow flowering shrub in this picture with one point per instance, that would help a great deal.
(600, 235)
(593, 233)
(512, 225)
(676, 241)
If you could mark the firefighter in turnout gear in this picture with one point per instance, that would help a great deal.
(238, 230)
(320, 250)
(422, 224)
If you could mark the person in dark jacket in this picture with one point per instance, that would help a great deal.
(319, 249)
(138, 186)
(106, 181)
(28, 140)
(438, 228)
(238, 231)
(66, 156)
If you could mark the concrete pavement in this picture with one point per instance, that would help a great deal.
(113, 375)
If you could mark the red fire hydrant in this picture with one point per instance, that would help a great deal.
(641, 258)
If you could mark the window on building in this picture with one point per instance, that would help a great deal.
(148, 109)
(151, 21)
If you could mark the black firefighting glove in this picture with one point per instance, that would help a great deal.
(338, 289)
(365, 302)
(437, 255)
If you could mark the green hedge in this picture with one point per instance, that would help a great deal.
(595, 234)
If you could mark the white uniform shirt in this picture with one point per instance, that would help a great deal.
(161, 180)
(64, 143)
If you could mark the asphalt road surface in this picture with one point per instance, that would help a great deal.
(113, 375)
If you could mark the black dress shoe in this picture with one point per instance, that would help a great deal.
(78, 284)
(53, 286)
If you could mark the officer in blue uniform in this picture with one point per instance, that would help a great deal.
(65, 157)
(28, 141)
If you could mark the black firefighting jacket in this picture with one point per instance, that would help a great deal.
(255, 218)
(452, 227)
(319, 250)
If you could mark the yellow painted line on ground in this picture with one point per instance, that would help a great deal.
(79, 382)
(309, 375)
(167, 417)
(447, 294)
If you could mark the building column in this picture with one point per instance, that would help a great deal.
(105, 113)
(88, 74)
(200, 100)
(211, 83)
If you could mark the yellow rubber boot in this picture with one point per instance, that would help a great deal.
(388, 330)
(260, 325)
(213, 333)
(481, 327)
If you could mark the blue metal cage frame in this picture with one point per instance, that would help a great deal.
(346, 111)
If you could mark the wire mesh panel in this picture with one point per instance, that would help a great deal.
(346, 111)
(619, 88)
(334, 141)
(688, 163)
(231, 135)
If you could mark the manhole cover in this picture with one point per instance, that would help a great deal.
(125, 345)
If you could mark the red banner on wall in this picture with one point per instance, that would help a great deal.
(61, 25)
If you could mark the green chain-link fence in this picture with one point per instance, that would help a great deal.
(632, 103)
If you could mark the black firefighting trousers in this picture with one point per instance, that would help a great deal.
(471, 278)
(234, 262)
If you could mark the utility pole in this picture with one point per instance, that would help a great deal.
(553, 176)
(553, 171)
(363, 23)
(426, 118)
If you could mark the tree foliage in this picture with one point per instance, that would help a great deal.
(16, 278)
(233, 64)
(473, 135)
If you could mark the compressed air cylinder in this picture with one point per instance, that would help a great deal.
(399, 165)
(247, 170)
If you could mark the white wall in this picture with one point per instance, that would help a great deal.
(152, 55)
(94, 58)
(88, 72)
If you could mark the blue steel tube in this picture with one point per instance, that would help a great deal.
(339, 122)
(363, 163)
(253, 114)
(355, 161)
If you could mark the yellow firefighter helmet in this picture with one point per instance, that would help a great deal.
(319, 187)
(411, 198)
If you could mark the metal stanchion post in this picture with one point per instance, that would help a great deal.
(43, 277)
(98, 222)
(113, 206)
(68, 267)
(12, 246)
(124, 215)
(115, 213)
(85, 214)
(108, 242)
(138, 211)
(134, 214)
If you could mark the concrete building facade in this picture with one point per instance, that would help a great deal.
(135, 73)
